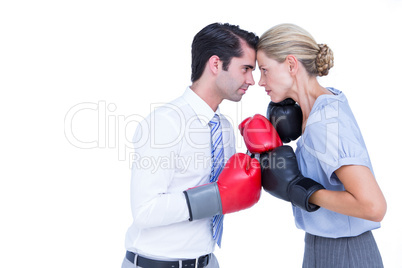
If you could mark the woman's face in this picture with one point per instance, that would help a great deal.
(275, 77)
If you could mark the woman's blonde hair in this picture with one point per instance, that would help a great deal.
(289, 39)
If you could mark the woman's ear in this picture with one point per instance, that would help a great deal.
(293, 64)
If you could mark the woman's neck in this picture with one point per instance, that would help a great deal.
(306, 93)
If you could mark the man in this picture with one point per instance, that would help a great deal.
(177, 206)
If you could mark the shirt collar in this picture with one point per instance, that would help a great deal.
(199, 106)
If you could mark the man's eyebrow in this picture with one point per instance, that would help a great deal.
(250, 66)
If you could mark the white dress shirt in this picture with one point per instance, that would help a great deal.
(172, 154)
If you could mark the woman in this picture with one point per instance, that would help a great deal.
(331, 151)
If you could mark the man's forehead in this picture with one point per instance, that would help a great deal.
(248, 59)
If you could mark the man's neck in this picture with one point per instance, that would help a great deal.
(207, 94)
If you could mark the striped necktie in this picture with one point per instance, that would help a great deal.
(217, 166)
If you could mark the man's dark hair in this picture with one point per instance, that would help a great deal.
(222, 40)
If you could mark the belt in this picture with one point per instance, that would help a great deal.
(143, 262)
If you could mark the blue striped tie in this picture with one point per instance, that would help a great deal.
(217, 166)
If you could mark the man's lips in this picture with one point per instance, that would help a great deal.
(244, 89)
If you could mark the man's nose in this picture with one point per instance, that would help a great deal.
(250, 80)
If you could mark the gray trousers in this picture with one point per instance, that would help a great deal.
(347, 252)
(213, 263)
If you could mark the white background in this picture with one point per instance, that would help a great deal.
(77, 74)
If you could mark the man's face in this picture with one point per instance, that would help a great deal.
(233, 83)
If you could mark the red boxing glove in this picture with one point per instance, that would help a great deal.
(259, 134)
(238, 187)
(239, 183)
(242, 124)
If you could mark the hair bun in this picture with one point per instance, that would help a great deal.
(324, 60)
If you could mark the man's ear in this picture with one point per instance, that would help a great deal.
(293, 64)
(213, 64)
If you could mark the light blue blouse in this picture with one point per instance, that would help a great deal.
(331, 139)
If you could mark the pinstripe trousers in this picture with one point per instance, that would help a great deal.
(346, 252)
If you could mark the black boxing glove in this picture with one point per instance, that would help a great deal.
(287, 118)
(282, 178)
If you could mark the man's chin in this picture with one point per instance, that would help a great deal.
(237, 97)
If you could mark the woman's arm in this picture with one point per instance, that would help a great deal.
(362, 197)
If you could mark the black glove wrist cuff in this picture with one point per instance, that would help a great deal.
(301, 191)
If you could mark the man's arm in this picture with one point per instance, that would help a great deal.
(152, 202)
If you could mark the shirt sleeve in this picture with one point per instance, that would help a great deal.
(338, 141)
(151, 201)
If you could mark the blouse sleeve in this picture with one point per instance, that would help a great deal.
(337, 141)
